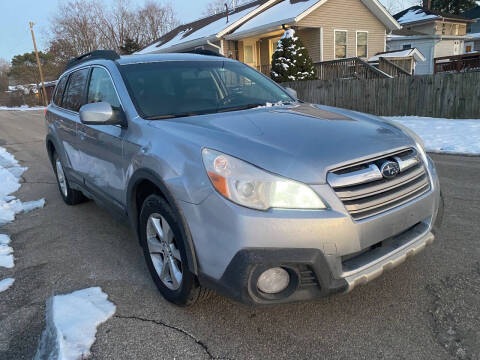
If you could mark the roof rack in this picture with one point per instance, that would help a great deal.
(97, 54)
(204, 52)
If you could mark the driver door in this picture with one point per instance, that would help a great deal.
(101, 146)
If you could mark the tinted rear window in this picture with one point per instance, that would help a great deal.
(74, 96)
(57, 99)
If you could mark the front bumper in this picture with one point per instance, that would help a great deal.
(235, 244)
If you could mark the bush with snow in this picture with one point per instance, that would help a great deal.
(291, 61)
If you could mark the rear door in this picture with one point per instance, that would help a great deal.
(101, 145)
(66, 118)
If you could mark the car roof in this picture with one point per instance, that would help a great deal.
(140, 58)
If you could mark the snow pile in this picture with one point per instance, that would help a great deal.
(22, 108)
(10, 174)
(6, 252)
(288, 34)
(6, 283)
(72, 322)
(445, 135)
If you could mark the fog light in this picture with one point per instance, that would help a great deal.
(273, 281)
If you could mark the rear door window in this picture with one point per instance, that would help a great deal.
(74, 96)
(57, 99)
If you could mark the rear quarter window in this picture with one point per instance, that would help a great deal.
(74, 96)
(57, 98)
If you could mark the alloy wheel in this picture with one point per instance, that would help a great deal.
(61, 178)
(164, 252)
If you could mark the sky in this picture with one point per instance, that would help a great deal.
(15, 16)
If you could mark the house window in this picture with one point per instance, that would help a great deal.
(340, 44)
(362, 44)
(444, 29)
(407, 46)
(456, 29)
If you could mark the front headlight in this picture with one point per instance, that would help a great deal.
(255, 188)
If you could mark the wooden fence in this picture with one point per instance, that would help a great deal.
(441, 95)
(391, 68)
(350, 68)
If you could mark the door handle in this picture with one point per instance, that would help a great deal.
(82, 134)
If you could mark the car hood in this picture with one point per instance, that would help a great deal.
(301, 142)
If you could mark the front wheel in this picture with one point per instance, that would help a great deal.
(164, 247)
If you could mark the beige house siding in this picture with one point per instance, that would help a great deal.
(427, 28)
(350, 15)
(450, 28)
(230, 49)
(436, 28)
(311, 40)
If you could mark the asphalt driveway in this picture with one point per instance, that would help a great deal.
(428, 308)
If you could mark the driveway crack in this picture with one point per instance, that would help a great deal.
(180, 330)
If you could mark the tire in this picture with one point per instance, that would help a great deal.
(69, 195)
(163, 240)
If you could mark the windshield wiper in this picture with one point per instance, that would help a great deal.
(242, 107)
(169, 116)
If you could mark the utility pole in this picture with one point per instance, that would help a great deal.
(39, 65)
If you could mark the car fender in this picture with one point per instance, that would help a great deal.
(150, 175)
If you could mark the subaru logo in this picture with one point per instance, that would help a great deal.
(390, 169)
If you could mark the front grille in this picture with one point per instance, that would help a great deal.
(365, 192)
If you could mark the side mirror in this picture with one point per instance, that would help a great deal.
(100, 113)
(291, 92)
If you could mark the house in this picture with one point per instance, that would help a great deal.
(473, 29)
(434, 34)
(329, 29)
(406, 59)
(473, 14)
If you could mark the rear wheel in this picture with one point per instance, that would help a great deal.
(69, 195)
(164, 247)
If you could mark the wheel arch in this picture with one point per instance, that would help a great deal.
(145, 182)
(51, 146)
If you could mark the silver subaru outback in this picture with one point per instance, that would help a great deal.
(232, 184)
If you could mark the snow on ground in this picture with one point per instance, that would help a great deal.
(6, 252)
(22, 108)
(72, 322)
(445, 135)
(10, 175)
(6, 283)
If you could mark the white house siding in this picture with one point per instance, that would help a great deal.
(449, 47)
(425, 46)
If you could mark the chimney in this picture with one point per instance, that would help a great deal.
(427, 4)
(226, 10)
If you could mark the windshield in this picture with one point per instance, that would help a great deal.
(168, 89)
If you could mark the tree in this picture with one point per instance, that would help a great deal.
(129, 47)
(218, 6)
(453, 7)
(291, 61)
(4, 70)
(81, 26)
(395, 6)
(25, 70)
